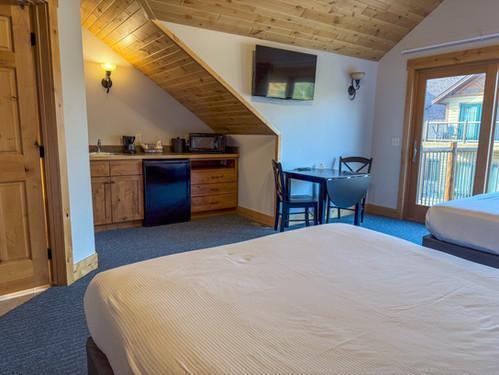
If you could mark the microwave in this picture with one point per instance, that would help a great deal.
(206, 142)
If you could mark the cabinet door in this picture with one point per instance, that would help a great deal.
(101, 198)
(127, 198)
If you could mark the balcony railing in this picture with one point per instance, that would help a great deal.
(448, 161)
(463, 131)
(446, 173)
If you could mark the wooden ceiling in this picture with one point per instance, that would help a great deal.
(150, 47)
(361, 28)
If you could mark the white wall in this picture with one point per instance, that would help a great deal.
(135, 104)
(312, 133)
(453, 20)
(75, 122)
(255, 171)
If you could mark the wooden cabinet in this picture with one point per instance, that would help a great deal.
(101, 200)
(212, 175)
(125, 168)
(213, 202)
(127, 202)
(99, 169)
(118, 189)
(213, 185)
(117, 192)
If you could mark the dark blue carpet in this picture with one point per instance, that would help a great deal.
(47, 334)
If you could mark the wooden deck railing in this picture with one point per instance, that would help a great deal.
(446, 172)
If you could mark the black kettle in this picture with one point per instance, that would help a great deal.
(178, 145)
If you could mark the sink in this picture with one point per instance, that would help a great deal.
(104, 153)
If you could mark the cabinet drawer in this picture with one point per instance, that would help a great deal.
(126, 168)
(213, 189)
(213, 202)
(99, 168)
(208, 176)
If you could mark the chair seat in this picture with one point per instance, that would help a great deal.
(302, 199)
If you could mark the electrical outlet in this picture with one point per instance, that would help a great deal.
(396, 141)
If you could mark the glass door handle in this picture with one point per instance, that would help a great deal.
(415, 152)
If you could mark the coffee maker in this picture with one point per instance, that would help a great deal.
(129, 144)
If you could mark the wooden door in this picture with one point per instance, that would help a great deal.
(23, 244)
(101, 199)
(451, 135)
(127, 198)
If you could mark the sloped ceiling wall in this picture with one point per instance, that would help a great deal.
(150, 47)
(360, 28)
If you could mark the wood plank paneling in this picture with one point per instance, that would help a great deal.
(360, 28)
(159, 54)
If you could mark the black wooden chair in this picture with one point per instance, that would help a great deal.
(285, 202)
(349, 191)
(354, 164)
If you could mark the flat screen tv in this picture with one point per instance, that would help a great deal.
(282, 74)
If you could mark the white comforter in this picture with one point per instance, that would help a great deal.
(471, 222)
(332, 299)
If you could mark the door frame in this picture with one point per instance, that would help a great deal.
(48, 67)
(415, 66)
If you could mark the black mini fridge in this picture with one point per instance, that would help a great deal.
(167, 191)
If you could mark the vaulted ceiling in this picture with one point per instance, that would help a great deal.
(360, 28)
(154, 50)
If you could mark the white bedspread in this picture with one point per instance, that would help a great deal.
(332, 299)
(470, 222)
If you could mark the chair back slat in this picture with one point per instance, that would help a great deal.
(280, 181)
(348, 191)
(362, 165)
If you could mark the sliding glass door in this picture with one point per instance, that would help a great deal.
(452, 137)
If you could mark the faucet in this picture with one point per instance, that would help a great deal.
(99, 145)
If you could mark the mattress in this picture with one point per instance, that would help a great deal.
(332, 299)
(471, 222)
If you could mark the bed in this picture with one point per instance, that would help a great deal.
(326, 299)
(468, 228)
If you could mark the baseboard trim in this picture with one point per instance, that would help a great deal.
(25, 292)
(259, 217)
(128, 224)
(84, 266)
(383, 211)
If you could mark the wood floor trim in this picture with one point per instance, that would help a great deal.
(22, 293)
(85, 266)
(259, 217)
(383, 211)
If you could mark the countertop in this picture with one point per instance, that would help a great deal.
(165, 155)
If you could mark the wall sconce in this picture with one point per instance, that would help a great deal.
(106, 81)
(355, 84)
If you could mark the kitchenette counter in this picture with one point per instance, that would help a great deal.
(120, 185)
(164, 155)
